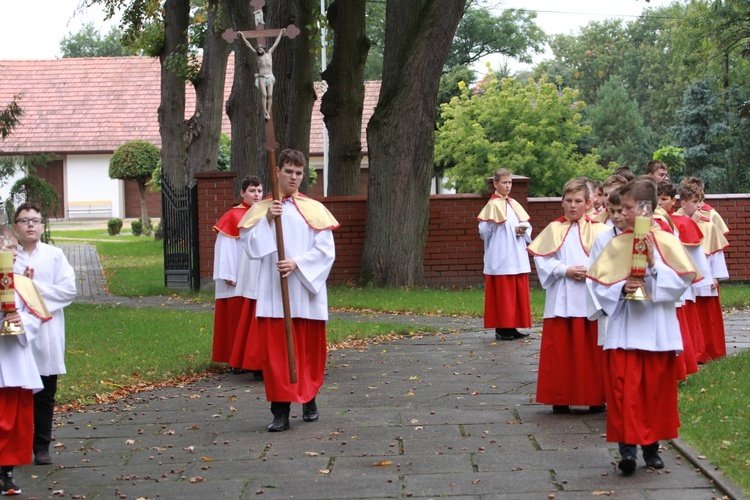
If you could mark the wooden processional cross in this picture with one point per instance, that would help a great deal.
(260, 33)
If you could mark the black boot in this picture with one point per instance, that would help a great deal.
(310, 411)
(651, 456)
(280, 416)
(628, 453)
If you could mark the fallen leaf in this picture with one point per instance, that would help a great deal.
(129, 441)
(311, 454)
(206, 459)
(324, 471)
(382, 463)
(197, 479)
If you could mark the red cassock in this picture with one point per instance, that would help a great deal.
(687, 363)
(245, 351)
(16, 425)
(641, 391)
(570, 352)
(228, 310)
(310, 356)
(712, 323)
(506, 301)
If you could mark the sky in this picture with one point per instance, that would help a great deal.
(32, 29)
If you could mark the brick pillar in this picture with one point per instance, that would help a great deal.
(215, 197)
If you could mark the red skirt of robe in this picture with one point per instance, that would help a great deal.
(641, 396)
(712, 322)
(246, 347)
(226, 316)
(310, 352)
(570, 363)
(696, 330)
(16, 426)
(687, 363)
(507, 301)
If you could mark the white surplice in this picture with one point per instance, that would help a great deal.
(56, 281)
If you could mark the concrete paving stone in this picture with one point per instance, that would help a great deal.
(478, 483)
(551, 441)
(453, 445)
(438, 415)
(508, 458)
(410, 464)
(324, 487)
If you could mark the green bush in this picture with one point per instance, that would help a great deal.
(137, 227)
(114, 226)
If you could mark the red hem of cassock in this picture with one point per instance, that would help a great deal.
(687, 364)
(570, 363)
(16, 426)
(696, 331)
(712, 322)
(641, 396)
(310, 352)
(246, 347)
(507, 301)
(226, 316)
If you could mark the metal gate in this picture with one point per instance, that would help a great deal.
(179, 221)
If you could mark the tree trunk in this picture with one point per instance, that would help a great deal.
(203, 130)
(144, 207)
(172, 105)
(244, 103)
(293, 66)
(343, 101)
(400, 138)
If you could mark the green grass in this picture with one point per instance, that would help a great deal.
(715, 411)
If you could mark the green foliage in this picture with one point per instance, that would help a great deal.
(114, 226)
(136, 227)
(134, 160)
(513, 33)
(88, 42)
(225, 153)
(375, 18)
(618, 133)
(674, 158)
(531, 129)
(10, 116)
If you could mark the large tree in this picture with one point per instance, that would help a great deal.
(400, 137)
(136, 161)
(342, 103)
(10, 117)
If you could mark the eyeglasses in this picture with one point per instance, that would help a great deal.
(27, 221)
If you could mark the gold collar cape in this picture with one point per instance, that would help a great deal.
(660, 213)
(552, 237)
(713, 238)
(494, 210)
(613, 264)
(714, 217)
(30, 295)
(602, 216)
(315, 213)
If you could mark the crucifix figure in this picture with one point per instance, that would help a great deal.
(264, 79)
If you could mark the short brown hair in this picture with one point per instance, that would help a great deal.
(654, 165)
(615, 180)
(26, 206)
(251, 180)
(691, 188)
(641, 189)
(292, 157)
(614, 198)
(667, 188)
(624, 171)
(575, 185)
(500, 173)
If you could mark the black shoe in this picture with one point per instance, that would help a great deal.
(597, 409)
(9, 486)
(559, 409)
(257, 375)
(627, 463)
(651, 456)
(42, 458)
(499, 333)
(280, 423)
(518, 335)
(237, 371)
(310, 411)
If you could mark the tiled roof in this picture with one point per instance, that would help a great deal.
(94, 105)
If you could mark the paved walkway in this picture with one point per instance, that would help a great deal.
(449, 414)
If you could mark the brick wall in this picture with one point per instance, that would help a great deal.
(453, 252)
(215, 197)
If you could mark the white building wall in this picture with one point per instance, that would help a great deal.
(87, 180)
